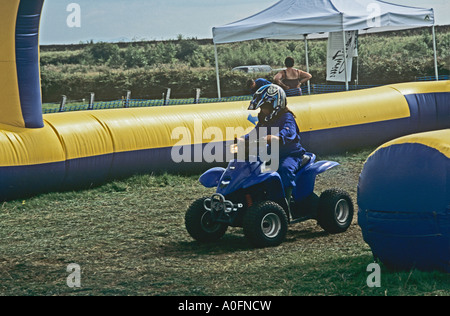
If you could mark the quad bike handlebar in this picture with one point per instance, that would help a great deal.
(251, 148)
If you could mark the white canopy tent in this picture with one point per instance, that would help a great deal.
(296, 19)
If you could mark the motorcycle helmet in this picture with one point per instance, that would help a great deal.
(271, 94)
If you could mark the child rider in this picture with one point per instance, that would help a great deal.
(280, 125)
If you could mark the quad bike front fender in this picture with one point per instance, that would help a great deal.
(211, 178)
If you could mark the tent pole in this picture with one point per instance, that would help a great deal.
(307, 62)
(436, 71)
(357, 59)
(217, 72)
(344, 41)
(357, 70)
(345, 60)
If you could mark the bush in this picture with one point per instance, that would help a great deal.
(134, 57)
(101, 53)
(161, 53)
(186, 49)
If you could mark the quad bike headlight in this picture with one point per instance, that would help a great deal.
(234, 148)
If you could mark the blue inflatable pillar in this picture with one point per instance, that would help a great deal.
(20, 86)
(404, 202)
(27, 61)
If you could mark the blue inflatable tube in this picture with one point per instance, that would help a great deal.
(404, 202)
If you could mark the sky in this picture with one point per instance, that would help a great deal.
(128, 20)
(112, 20)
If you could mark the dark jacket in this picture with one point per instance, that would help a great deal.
(288, 132)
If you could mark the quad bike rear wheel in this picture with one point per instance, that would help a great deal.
(335, 213)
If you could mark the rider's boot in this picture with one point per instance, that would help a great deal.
(289, 195)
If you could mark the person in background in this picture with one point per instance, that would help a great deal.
(254, 85)
(291, 78)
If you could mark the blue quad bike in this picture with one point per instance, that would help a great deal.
(248, 196)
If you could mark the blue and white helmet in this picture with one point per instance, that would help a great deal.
(270, 93)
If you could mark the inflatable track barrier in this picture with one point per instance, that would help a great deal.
(66, 151)
(79, 149)
(404, 202)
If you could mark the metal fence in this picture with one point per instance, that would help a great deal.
(82, 105)
(128, 102)
(432, 78)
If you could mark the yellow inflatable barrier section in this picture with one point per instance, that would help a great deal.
(42, 153)
(77, 149)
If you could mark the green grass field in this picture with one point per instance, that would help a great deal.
(129, 239)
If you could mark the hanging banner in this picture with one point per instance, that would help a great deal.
(335, 55)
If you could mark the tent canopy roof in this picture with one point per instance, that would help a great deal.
(291, 19)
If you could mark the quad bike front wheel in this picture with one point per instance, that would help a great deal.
(265, 224)
(335, 213)
(199, 223)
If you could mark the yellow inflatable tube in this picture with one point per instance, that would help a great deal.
(77, 149)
